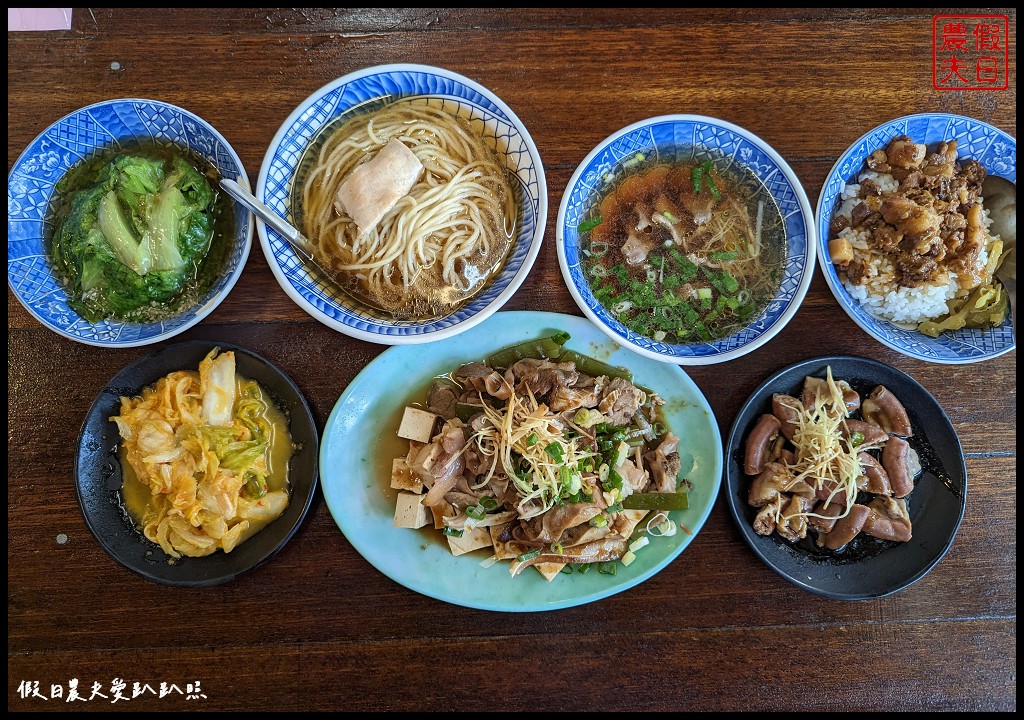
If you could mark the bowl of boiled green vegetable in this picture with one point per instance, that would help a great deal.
(118, 233)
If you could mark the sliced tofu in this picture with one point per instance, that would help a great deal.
(417, 425)
(630, 519)
(414, 450)
(549, 569)
(374, 187)
(409, 513)
(505, 549)
(471, 540)
(402, 478)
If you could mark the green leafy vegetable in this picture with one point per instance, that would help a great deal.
(133, 234)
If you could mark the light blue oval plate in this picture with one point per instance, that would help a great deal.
(358, 444)
(997, 153)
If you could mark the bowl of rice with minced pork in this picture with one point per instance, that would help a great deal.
(905, 240)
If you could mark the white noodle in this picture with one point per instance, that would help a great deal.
(757, 228)
(437, 244)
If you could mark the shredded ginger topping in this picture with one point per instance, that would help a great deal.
(547, 470)
(823, 459)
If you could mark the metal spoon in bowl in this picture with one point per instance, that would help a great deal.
(295, 238)
(281, 226)
(1001, 202)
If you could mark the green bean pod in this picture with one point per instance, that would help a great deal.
(538, 349)
(593, 367)
(656, 501)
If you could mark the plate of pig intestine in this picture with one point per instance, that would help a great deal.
(846, 477)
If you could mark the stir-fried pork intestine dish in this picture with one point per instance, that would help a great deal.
(816, 466)
(549, 457)
(206, 458)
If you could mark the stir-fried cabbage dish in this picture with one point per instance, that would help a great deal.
(212, 451)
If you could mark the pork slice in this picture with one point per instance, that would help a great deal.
(542, 376)
(374, 187)
(620, 401)
(636, 248)
(664, 464)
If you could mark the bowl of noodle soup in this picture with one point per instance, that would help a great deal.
(447, 248)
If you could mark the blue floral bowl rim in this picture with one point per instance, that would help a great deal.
(847, 303)
(426, 337)
(200, 311)
(805, 211)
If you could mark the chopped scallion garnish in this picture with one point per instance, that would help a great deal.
(589, 224)
(529, 555)
(713, 188)
(452, 532)
(608, 568)
(640, 542)
(598, 521)
(555, 451)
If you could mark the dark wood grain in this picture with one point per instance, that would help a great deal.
(639, 669)
(318, 627)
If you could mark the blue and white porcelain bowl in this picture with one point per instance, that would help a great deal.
(682, 138)
(997, 153)
(31, 204)
(460, 96)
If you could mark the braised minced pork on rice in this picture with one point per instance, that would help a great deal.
(912, 234)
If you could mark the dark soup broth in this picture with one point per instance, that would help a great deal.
(684, 252)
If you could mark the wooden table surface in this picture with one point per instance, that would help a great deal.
(318, 627)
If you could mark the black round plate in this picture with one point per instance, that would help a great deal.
(98, 470)
(936, 505)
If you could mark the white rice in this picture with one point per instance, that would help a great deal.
(889, 301)
(880, 294)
